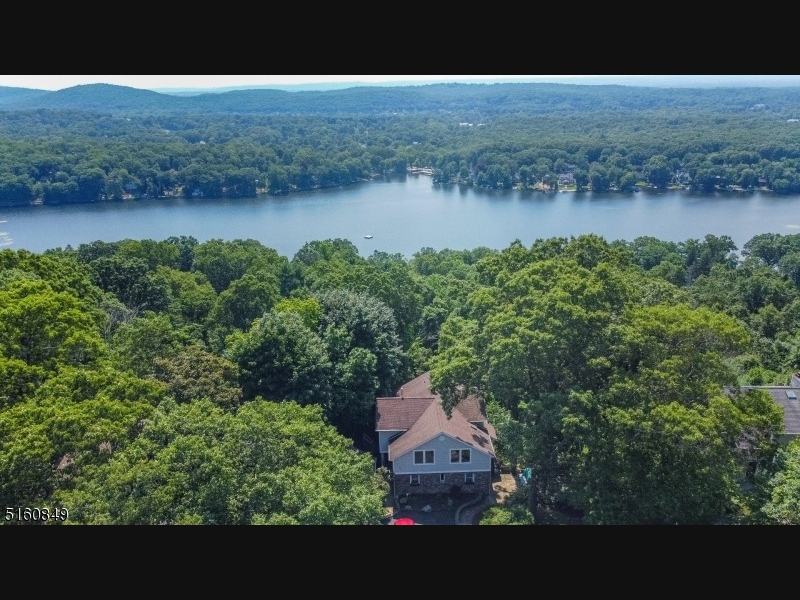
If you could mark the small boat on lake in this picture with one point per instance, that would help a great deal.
(368, 237)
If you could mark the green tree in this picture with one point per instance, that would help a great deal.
(47, 329)
(582, 179)
(367, 323)
(245, 300)
(783, 488)
(76, 419)
(789, 265)
(657, 171)
(360, 334)
(267, 463)
(614, 399)
(15, 191)
(658, 444)
(138, 343)
(61, 273)
(309, 310)
(281, 358)
(277, 180)
(155, 254)
(513, 511)
(191, 297)
(224, 262)
(195, 373)
(130, 280)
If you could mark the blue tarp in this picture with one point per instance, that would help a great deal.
(526, 475)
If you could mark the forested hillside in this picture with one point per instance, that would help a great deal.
(99, 143)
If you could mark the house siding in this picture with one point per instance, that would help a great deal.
(404, 464)
(383, 439)
(454, 482)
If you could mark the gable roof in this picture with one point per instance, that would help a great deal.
(419, 387)
(417, 395)
(418, 412)
(473, 409)
(434, 422)
(399, 414)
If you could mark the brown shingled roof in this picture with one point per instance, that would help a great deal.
(418, 411)
(472, 408)
(433, 422)
(419, 387)
(417, 395)
(396, 414)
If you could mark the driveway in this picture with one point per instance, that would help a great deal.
(420, 517)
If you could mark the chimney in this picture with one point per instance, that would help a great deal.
(401, 391)
(795, 380)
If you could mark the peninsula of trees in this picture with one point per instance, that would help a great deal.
(96, 143)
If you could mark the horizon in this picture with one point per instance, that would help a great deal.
(176, 83)
(213, 82)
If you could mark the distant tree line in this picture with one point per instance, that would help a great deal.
(60, 155)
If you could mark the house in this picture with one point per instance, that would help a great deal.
(788, 398)
(429, 452)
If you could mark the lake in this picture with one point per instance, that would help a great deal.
(406, 214)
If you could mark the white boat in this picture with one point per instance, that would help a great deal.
(369, 237)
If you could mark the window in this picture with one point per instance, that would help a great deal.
(469, 477)
(460, 456)
(414, 480)
(423, 457)
(442, 478)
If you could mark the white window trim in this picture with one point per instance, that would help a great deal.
(459, 461)
(412, 477)
(424, 456)
(442, 477)
(468, 476)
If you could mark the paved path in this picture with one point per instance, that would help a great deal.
(466, 514)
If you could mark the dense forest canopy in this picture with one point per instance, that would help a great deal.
(219, 382)
(174, 381)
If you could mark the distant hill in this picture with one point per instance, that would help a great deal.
(12, 95)
(461, 99)
(662, 81)
(100, 97)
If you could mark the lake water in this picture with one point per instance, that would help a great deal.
(405, 215)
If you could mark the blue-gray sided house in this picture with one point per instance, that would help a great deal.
(429, 452)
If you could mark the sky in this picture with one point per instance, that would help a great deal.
(157, 82)
(195, 82)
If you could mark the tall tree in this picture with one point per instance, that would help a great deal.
(282, 359)
(360, 333)
(74, 420)
(267, 463)
(783, 488)
(47, 329)
(195, 373)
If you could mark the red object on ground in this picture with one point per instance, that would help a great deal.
(404, 521)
